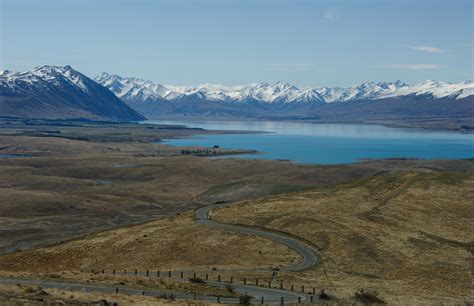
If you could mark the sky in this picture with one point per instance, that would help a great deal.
(231, 42)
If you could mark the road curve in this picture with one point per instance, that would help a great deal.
(309, 257)
(270, 296)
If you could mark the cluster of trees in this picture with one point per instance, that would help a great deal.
(200, 152)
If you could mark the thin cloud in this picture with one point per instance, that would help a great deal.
(330, 15)
(412, 66)
(428, 49)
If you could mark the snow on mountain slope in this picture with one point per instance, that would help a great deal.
(133, 89)
(436, 89)
(368, 90)
(137, 90)
(43, 76)
(59, 92)
(4, 72)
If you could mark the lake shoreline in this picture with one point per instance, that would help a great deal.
(457, 125)
(329, 143)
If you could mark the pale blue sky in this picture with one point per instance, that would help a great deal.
(308, 43)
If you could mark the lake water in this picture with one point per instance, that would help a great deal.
(329, 143)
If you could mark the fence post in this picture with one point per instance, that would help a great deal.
(124, 272)
(169, 273)
(311, 298)
(299, 300)
(231, 279)
(113, 272)
(147, 273)
(302, 288)
(103, 271)
(261, 302)
(256, 282)
(292, 287)
(269, 284)
(218, 277)
(194, 275)
(143, 293)
(218, 299)
(136, 271)
(282, 302)
(281, 285)
(245, 281)
(157, 273)
(182, 275)
(116, 290)
(207, 276)
(314, 290)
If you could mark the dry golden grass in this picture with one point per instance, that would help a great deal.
(118, 178)
(176, 243)
(80, 187)
(407, 236)
(139, 282)
(33, 295)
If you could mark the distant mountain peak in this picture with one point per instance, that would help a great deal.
(134, 89)
(4, 72)
(60, 92)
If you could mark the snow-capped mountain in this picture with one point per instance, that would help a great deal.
(4, 72)
(137, 90)
(436, 89)
(364, 91)
(59, 92)
(62, 92)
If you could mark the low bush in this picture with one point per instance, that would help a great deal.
(170, 296)
(368, 298)
(230, 288)
(197, 280)
(245, 300)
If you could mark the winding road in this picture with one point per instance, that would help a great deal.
(309, 257)
(269, 295)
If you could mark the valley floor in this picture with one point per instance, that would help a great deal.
(396, 227)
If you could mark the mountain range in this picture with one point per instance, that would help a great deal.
(134, 89)
(375, 100)
(62, 92)
(53, 92)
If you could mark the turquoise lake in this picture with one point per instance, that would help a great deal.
(328, 143)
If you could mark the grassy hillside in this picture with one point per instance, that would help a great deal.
(405, 235)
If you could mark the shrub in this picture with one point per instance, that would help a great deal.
(197, 280)
(170, 296)
(368, 298)
(323, 296)
(245, 300)
(230, 288)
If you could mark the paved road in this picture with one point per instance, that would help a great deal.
(309, 258)
(270, 296)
